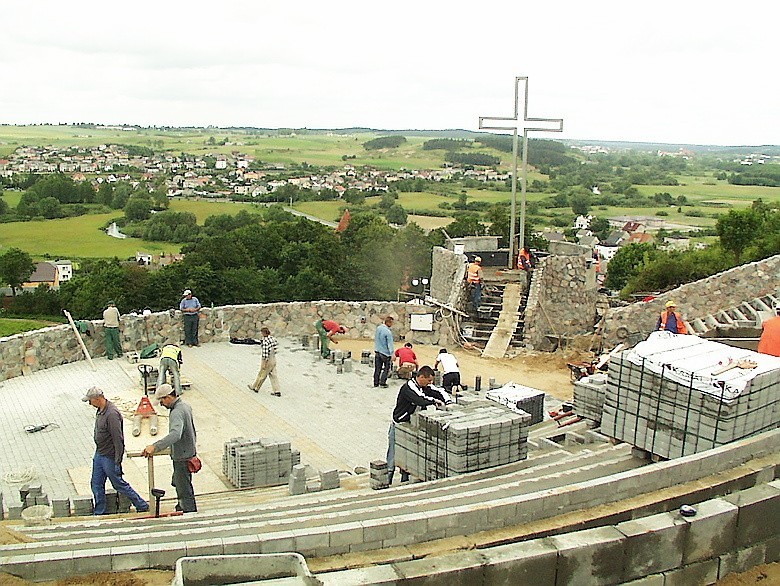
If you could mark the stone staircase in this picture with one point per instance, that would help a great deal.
(566, 478)
(493, 318)
(738, 326)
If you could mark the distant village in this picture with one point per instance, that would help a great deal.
(212, 175)
(237, 176)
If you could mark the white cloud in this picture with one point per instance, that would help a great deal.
(663, 71)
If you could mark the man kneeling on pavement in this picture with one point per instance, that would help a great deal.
(416, 392)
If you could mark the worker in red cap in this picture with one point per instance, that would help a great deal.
(670, 320)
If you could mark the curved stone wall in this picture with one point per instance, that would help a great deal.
(25, 353)
(699, 299)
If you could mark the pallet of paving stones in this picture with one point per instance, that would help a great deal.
(646, 406)
(464, 438)
(520, 398)
(258, 462)
(589, 393)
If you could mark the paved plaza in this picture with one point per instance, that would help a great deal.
(335, 420)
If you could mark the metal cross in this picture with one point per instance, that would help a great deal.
(528, 125)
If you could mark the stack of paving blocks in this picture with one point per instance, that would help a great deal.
(60, 506)
(669, 405)
(82, 505)
(33, 495)
(258, 462)
(589, 395)
(378, 478)
(329, 479)
(297, 482)
(466, 437)
(520, 398)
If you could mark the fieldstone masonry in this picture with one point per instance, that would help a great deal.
(698, 299)
(448, 278)
(48, 347)
(562, 299)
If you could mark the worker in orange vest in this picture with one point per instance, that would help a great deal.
(770, 336)
(474, 279)
(526, 259)
(670, 320)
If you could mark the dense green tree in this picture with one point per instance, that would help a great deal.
(49, 208)
(467, 225)
(738, 229)
(138, 208)
(4, 207)
(600, 228)
(16, 266)
(396, 215)
(105, 194)
(626, 263)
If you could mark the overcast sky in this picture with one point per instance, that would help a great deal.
(613, 70)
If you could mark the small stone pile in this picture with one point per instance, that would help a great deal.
(258, 462)
(472, 435)
(378, 474)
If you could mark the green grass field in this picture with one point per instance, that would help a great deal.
(83, 237)
(9, 327)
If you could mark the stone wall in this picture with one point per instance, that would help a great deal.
(25, 353)
(699, 299)
(448, 278)
(562, 298)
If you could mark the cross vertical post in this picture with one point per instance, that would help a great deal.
(528, 125)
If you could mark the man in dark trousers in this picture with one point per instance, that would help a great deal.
(414, 393)
(181, 440)
(383, 352)
(109, 451)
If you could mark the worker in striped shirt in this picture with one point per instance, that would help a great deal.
(268, 349)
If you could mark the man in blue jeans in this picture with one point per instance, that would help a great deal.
(109, 451)
(383, 352)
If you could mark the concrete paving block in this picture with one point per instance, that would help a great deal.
(773, 550)
(653, 544)
(377, 530)
(528, 562)
(742, 560)
(241, 544)
(310, 539)
(384, 575)
(164, 555)
(277, 542)
(129, 557)
(699, 574)
(21, 566)
(346, 534)
(212, 546)
(593, 556)
(756, 505)
(711, 532)
(463, 568)
(652, 580)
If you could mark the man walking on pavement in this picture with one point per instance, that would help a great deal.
(383, 352)
(170, 359)
(181, 439)
(268, 349)
(190, 307)
(411, 395)
(111, 329)
(109, 451)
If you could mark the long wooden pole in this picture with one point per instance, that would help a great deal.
(79, 338)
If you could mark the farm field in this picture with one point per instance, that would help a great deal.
(9, 327)
(83, 236)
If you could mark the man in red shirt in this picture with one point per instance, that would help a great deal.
(770, 336)
(407, 361)
(327, 329)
